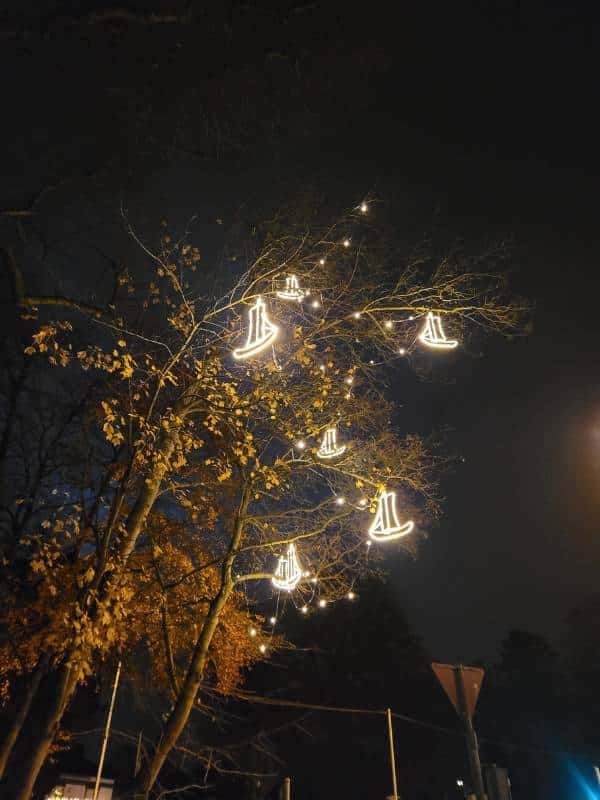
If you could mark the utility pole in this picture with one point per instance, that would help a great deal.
(106, 733)
(392, 755)
(470, 735)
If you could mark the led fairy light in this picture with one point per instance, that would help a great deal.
(364, 207)
(329, 447)
(288, 572)
(385, 526)
(261, 334)
(433, 334)
(292, 289)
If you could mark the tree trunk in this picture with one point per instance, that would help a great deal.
(12, 734)
(40, 746)
(195, 673)
(22, 787)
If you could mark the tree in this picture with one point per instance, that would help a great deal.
(230, 447)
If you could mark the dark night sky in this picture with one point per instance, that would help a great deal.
(483, 118)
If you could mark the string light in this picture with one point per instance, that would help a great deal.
(301, 444)
(347, 395)
(263, 648)
(385, 526)
(322, 367)
(350, 595)
(322, 603)
(288, 572)
(329, 447)
(252, 632)
(364, 207)
(389, 323)
(340, 500)
(356, 315)
(292, 289)
(261, 334)
(304, 609)
(433, 334)
(273, 620)
(362, 501)
(350, 380)
(346, 242)
(402, 351)
(321, 261)
(316, 304)
(314, 580)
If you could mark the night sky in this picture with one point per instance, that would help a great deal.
(478, 118)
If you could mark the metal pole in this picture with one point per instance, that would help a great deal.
(287, 789)
(470, 735)
(106, 732)
(392, 756)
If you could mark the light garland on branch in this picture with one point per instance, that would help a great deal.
(433, 334)
(386, 526)
(261, 334)
(288, 572)
(292, 289)
(329, 447)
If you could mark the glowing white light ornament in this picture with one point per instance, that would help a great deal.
(288, 572)
(329, 447)
(433, 334)
(385, 525)
(292, 289)
(261, 334)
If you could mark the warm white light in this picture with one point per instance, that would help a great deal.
(364, 208)
(369, 543)
(273, 620)
(314, 580)
(411, 318)
(371, 361)
(252, 632)
(362, 502)
(288, 572)
(301, 444)
(321, 261)
(304, 609)
(356, 315)
(263, 648)
(346, 242)
(385, 526)
(322, 603)
(350, 595)
(329, 446)
(316, 304)
(261, 334)
(340, 500)
(348, 396)
(460, 783)
(292, 289)
(433, 335)
(350, 380)
(322, 367)
(389, 323)
(402, 351)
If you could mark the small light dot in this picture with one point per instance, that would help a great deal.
(316, 304)
(314, 580)
(356, 315)
(322, 603)
(304, 609)
(348, 395)
(340, 500)
(301, 444)
(371, 361)
(321, 261)
(362, 502)
(364, 208)
(306, 574)
(263, 648)
(369, 543)
(351, 595)
(322, 367)
(346, 242)
(389, 323)
(252, 632)
(411, 318)
(350, 380)
(402, 351)
(273, 620)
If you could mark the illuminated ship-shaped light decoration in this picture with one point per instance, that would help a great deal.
(292, 289)
(329, 447)
(433, 334)
(385, 526)
(288, 572)
(262, 332)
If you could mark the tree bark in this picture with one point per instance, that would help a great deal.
(195, 673)
(12, 734)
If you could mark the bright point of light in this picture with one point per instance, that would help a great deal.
(356, 315)
(340, 500)
(402, 351)
(364, 208)
(386, 526)
(304, 609)
(362, 502)
(369, 543)
(460, 783)
(350, 595)
(371, 361)
(350, 380)
(389, 323)
(316, 304)
(273, 620)
(346, 242)
(314, 580)
(348, 396)
(322, 603)
(263, 648)
(321, 261)
(411, 318)
(322, 367)
(252, 632)
(301, 444)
